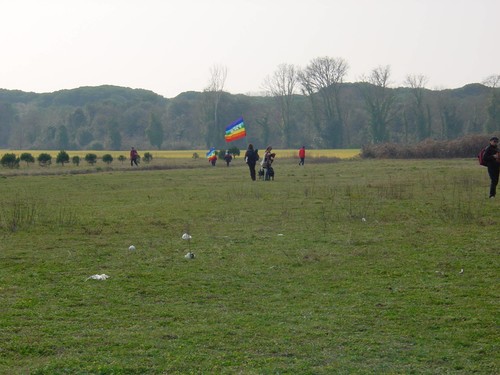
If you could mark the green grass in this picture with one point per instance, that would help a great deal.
(347, 267)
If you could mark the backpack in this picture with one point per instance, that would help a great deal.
(480, 157)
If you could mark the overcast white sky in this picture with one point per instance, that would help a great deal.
(169, 46)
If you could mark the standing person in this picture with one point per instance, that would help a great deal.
(492, 158)
(133, 157)
(266, 163)
(251, 160)
(302, 155)
(267, 157)
(228, 157)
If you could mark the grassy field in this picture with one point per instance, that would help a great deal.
(161, 160)
(357, 266)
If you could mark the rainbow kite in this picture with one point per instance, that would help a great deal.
(236, 130)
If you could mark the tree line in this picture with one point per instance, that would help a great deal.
(310, 106)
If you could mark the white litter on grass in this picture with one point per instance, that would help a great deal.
(131, 247)
(189, 255)
(461, 271)
(186, 236)
(98, 277)
(280, 234)
(363, 220)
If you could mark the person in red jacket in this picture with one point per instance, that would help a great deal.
(302, 155)
(133, 157)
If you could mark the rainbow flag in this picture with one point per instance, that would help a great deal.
(236, 130)
(211, 153)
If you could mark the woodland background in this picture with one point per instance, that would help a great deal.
(311, 107)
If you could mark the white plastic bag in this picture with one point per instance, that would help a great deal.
(98, 277)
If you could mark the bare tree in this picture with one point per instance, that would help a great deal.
(282, 85)
(379, 100)
(492, 81)
(420, 112)
(213, 93)
(452, 124)
(323, 77)
(493, 123)
(307, 90)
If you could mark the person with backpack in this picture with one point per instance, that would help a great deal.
(491, 159)
(251, 158)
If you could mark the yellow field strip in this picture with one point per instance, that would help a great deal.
(188, 154)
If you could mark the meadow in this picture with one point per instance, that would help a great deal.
(350, 266)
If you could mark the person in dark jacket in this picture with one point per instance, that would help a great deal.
(228, 157)
(251, 160)
(492, 159)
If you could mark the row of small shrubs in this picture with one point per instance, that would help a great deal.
(11, 160)
(465, 147)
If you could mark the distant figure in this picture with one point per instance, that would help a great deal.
(492, 159)
(134, 155)
(228, 157)
(251, 160)
(302, 155)
(213, 160)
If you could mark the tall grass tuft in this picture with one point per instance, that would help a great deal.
(19, 212)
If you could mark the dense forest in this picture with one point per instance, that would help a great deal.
(336, 115)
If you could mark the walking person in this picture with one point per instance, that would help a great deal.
(302, 155)
(492, 159)
(251, 159)
(228, 157)
(134, 155)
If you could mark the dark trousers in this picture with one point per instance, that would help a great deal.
(494, 172)
(252, 170)
(133, 161)
(301, 162)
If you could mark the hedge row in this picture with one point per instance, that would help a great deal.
(465, 147)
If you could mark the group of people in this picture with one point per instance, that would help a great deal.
(252, 157)
(227, 158)
(491, 159)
